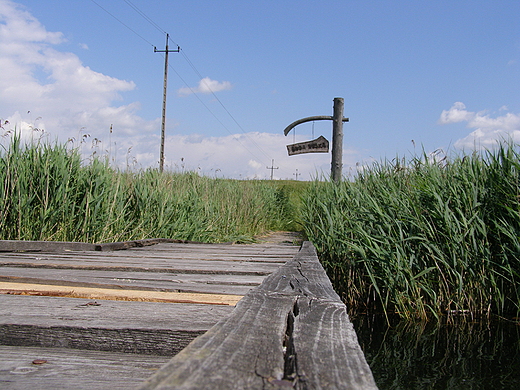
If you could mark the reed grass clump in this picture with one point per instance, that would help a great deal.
(48, 193)
(423, 238)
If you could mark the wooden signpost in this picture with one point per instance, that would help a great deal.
(337, 138)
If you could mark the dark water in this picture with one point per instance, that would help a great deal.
(465, 355)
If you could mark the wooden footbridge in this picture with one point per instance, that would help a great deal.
(159, 314)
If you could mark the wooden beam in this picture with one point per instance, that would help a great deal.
(145, 281)
(44, 246)
(116, 294)
(291, 331)
(62, 246)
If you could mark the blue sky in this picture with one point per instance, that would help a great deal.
(445, 74)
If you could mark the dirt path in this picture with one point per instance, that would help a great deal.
(288, 238)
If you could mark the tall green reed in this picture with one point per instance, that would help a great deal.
(423, 237)
(49, 193)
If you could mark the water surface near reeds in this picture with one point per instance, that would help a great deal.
(483, 354)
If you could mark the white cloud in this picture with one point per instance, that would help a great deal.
(242, 156)
(457, 113)
(47, 89)
(52, 84)
(487, 130)
(254, 164)
(18, 25)
(206, 86)
(233, 156)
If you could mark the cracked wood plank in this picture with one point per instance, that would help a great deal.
(292, 331)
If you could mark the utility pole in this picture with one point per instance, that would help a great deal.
(272, 168)
(163, 124)
(296, 174)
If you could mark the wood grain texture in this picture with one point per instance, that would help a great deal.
(135, 327)
(290, 332)
(165, 267)
(152, 281)
(57, 311)
(290, 329)
(117, 294)
(60, 246)
(136, 261)
(141, 329)
(73, 369)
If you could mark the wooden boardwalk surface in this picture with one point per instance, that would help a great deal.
(78, 308)
(89, 317)
(292, 331)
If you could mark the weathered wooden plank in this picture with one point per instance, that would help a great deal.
(304, 275)
(111, 277)
(38, 246)
(205, 283)
(116, 294)
(143, 341)
(60, 246)
(244, 351)
(137, 327)
(186, 250)
(161, 255)
(291, 331)
(211, 252)
(55, 311)
(231, 255)
(117, 246)
(73, 369)
(331, 355)
(133, 265)
(224, 248)
(157, 258)
(146, 246)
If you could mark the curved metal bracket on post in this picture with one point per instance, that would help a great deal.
(337, 135)
(310, 119)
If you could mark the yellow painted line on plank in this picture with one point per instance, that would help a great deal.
(117, 295)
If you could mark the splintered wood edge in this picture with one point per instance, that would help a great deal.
(117, 295)
(291, 331)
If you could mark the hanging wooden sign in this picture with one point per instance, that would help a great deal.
(319, 145)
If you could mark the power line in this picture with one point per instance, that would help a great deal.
(156, 26)
(222, 104)
(212, 113)
(120, 21)
(149, 20)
